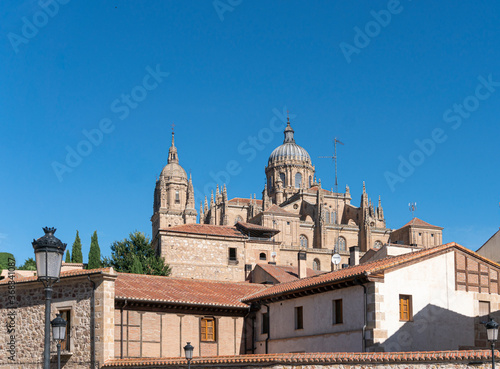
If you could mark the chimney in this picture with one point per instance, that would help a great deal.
(302, 272)
(354, 255)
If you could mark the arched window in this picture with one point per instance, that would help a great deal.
(316, 264)
(310, 181)
(283, 179)
(377, 245)
(269, 183)
(341, 244)
(238, 219)
(333, 218)
(298, 180)
(327, 217)
(303, 241)
(262, 256)
(177, 197)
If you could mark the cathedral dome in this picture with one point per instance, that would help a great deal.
(289, 149)
(174, 170)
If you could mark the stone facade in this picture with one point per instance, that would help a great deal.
(293, 202)
(73, 295)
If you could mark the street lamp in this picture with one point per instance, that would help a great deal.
(188, 349)
(49, 251)
(58, 334)
(492, 331)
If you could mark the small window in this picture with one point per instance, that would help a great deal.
(327, 217)
(316, 264)
(298, 180)
(299, 317)
(420, 235)
(177, 197)
(432, 234)
(265, 323)
(484, 310)
(341, 244)
(207, 330)
(337, 313)
(303, 241)
(405, 308)
(282, 177)
(232, 254)
(262, 256)
(66, 343)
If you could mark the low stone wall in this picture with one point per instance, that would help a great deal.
(477, 359)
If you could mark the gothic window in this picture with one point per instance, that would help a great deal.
(333, 218)
(298, 180)
(177, 197)
(303, 241)
(316, 264)
(377, 245)
(283, 178)
(327, 216)
(341, 244)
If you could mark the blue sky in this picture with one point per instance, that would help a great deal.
(412, 88)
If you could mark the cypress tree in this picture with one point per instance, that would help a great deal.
(76, 256)
(94, 253)
(68, 257)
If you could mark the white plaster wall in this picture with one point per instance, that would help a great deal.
(318, 334)
(442, 317)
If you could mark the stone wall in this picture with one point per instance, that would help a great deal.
(73, 294)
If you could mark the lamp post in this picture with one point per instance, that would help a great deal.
(58, 334)
(49, 251)
(188, 349)
(492, 331)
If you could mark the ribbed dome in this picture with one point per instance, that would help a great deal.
(174, 170)
(289, 151)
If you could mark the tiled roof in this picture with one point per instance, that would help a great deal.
(315, 189)
(69, 273)
(183, 291)
(311, 358)
(213, 230)
(419, 222)
(285, 274)
(242, 201)
(257, 227)
(372, 268)
(275, 209)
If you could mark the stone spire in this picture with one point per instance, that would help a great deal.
(190, 194)
(380, 210)
(202, 214)
(224, 193)
(205, 208)
(364, 197)
(172, 152)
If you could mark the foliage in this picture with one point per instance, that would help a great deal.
(4, 259)
(76, 256)
(68, 257)
(29, 264)
(136, 255)
(95, 253)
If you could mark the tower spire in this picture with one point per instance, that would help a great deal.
(172, 152)
(288, 131)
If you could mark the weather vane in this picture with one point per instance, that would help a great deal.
(413, 208)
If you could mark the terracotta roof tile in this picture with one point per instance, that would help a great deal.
(214, 230)
(183, 291)
(257, 227)
(285, 274)
(69, 273)
(419, 222)
(366, 269)
(310, 358)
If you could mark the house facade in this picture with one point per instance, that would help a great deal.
(432, 299)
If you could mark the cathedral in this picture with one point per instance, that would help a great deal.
(229, 237)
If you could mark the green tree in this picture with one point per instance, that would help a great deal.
(94, 253)
(29, 264)
(68, 257)
(128, 254)
(4, 259)
(76, 256)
